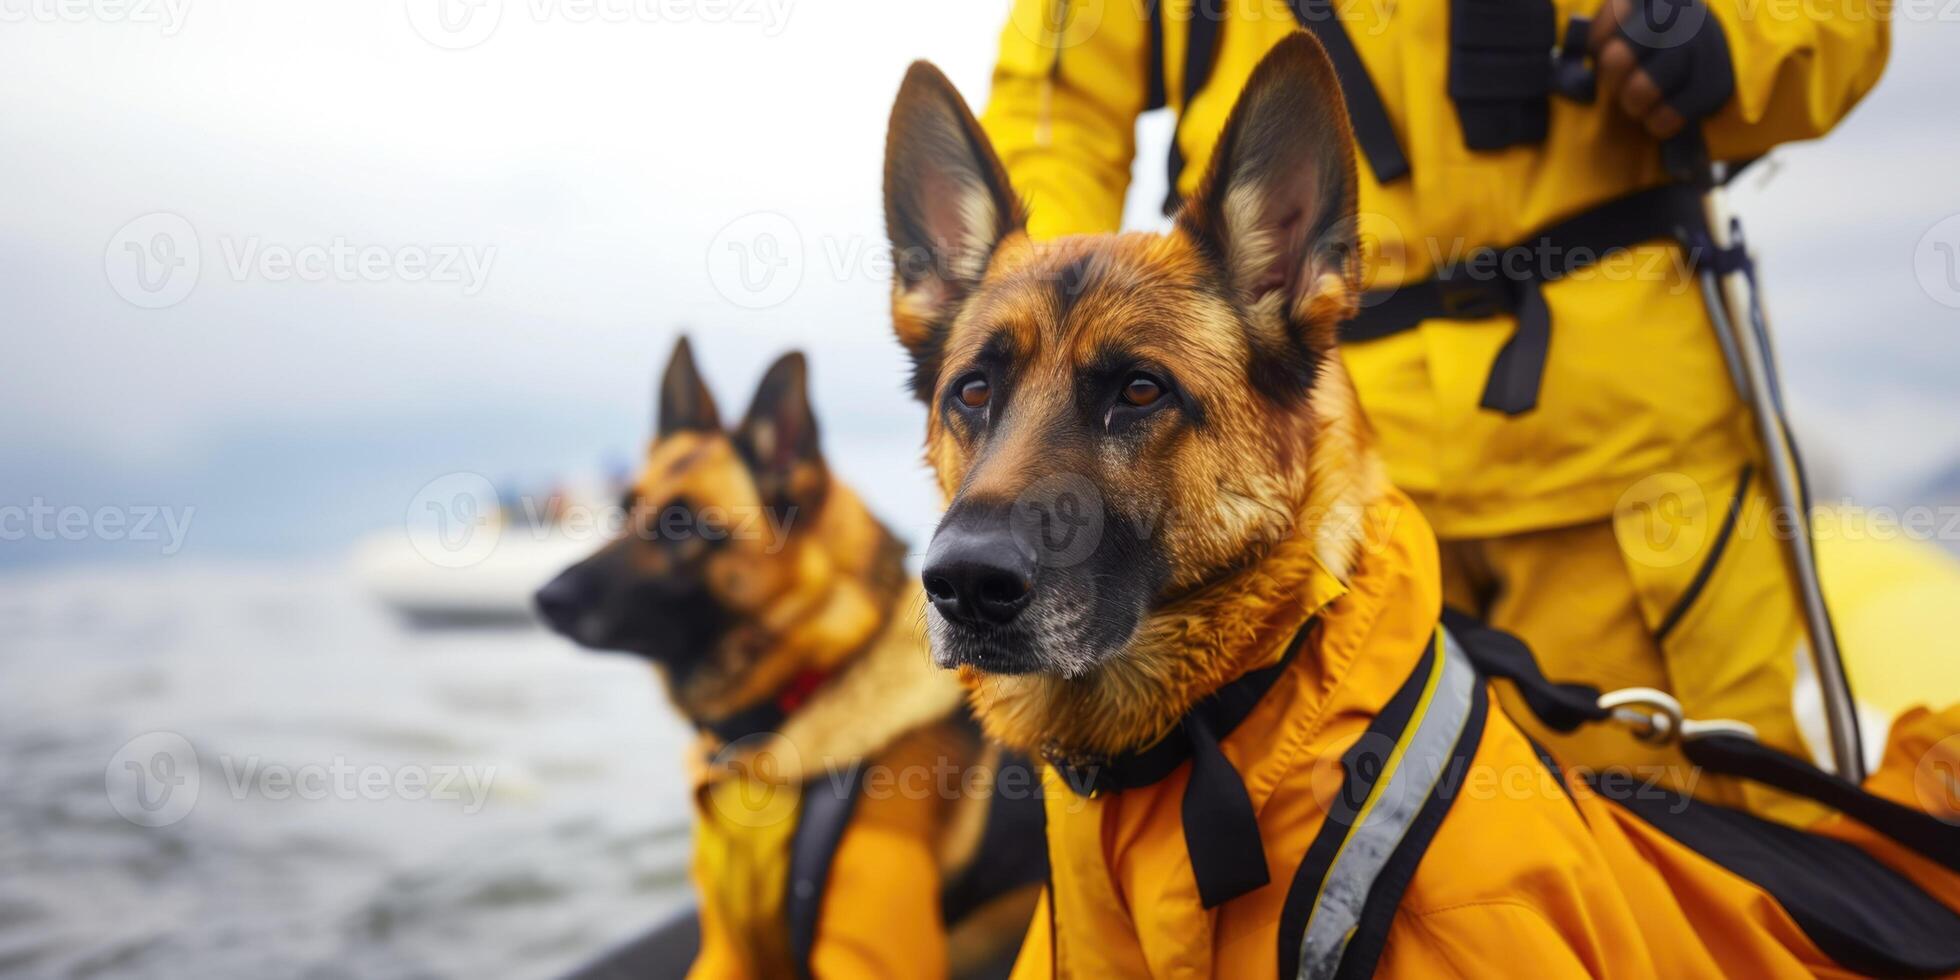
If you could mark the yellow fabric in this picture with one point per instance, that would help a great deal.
(1919, 770)
(740, 868)
(1591, 599)
(1892, 593)
(880, 915)
(1634, 382)
(1519, 877)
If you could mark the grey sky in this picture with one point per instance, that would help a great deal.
(587, 167)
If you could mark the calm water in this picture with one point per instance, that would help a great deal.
(366, 799)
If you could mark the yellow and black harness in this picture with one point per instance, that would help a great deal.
(1402, 775)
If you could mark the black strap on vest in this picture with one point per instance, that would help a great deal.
(1500, 70)
(1563, 708)
(1155, 95)
(1200, 50)
(1864, 915)
(826, 807)
(764, 717)
(1366, 112)
(1433, 726)
(1013, 851)
(1489, 281)
(1221, 831)
(1916, 829)
(1860, 912)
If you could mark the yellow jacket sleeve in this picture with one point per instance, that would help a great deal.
(1069, 84)
(1796, 73)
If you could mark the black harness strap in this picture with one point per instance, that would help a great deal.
(1861, 913)
(1491, 281)
(1401, 777)
(1221, 831)
(1200, 50)
(1564, 707)
(1155, 95)
(1916, 829)
(1501, 70)
(1013, 850)
(764, 717)
(827, 804)
(1363, 765)
(1372, 128)
(1364, 950)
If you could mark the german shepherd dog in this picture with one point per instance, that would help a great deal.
(1172, 564)
(780, 615)
(1178, 395)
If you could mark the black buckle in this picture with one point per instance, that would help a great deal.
(1571, 76)
(1474, 288)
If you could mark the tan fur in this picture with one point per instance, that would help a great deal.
(1192, 646)
(888, 690)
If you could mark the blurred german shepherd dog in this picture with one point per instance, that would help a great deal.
(778, 611)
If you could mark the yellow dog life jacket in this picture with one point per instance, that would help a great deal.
(1461, 849)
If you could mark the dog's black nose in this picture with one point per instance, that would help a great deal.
(978, 576)
(563, 599)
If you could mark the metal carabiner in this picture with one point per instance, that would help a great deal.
(1656, 718)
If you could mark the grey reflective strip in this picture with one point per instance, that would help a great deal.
(1425, 753)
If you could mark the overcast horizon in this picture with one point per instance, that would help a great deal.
(419, 256)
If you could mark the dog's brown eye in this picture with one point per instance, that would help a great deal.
(974, 392)
(1142, 390)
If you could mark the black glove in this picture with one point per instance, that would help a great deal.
(1681, 46)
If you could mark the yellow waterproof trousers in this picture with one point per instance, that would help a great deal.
(1686, 590)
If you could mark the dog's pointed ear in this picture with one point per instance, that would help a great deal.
(779, 435)
(685, 402)
(1276, 208)
(948, 203)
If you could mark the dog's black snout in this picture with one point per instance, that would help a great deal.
(979, 576)
(563, 599)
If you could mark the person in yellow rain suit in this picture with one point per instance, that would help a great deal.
(1534, 354)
